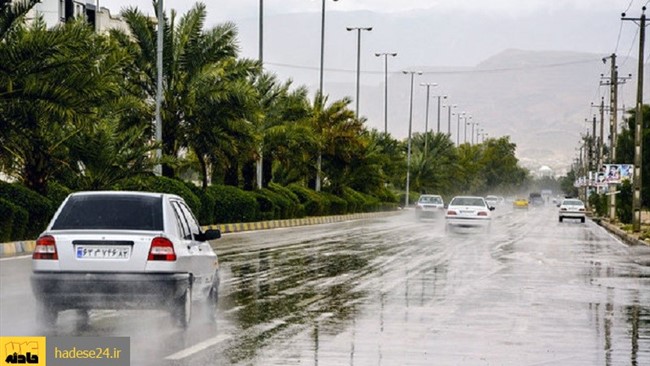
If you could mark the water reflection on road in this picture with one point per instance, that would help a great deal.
(399, 291)
(396, 291)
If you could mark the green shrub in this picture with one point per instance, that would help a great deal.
(338, 206)
(315, 205)
(356, 201)
(56, 193)
(39, 208)
(206, 201)
(161, 185)
(21, 220)
(233, 204)
(268, 209)
(7, 210)
(624, 210)
(296, 208)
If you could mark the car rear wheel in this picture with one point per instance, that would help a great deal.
(582, 220)
(182, 310)
(560, 218)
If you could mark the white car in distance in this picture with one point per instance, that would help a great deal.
(468, 212)
(124, 250)
(429, 206)
(572, 208)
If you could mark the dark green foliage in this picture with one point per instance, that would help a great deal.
(296, 208)
(624, 210)
(21, 220)
(268, 209)
(207, 202)
(39, 208)
(56, 192)
(315, 204)
(161, 185)
(338, 206)
(233, 205)
(599, 204)
(7, 210)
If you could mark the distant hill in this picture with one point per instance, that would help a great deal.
(531, 77)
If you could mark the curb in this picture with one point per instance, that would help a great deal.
(27, 246)
(627, 238)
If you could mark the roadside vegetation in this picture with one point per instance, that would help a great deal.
(77, 112)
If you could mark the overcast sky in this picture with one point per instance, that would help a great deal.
(220, 10)
(426, 33)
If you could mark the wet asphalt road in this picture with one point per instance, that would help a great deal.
(395, 291)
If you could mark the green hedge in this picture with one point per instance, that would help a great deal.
(205, 215)
(296, 208)
(315, 204)
(7, 210)
(338, 206)
(39, 209)
(233, 204)
(161, 185)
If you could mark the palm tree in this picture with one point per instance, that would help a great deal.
(12, 12)
(53, 83)
(195, 63)
(331, 125)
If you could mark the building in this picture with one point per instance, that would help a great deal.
(55, 12)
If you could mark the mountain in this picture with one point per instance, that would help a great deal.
(531, 77)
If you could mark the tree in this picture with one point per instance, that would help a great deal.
(433, 171)
(53, 84)
(197, 64)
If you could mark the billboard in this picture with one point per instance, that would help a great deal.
(614, 173)
(608, 174)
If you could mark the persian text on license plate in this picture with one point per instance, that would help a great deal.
(103, 252)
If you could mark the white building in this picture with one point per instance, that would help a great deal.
(59, 11)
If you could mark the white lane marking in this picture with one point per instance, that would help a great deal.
(198, 347)
(19, 257)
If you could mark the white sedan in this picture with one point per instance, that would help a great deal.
(468, 211)
(116, 250)
(572, 208)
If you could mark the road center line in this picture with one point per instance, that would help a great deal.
(198, 347)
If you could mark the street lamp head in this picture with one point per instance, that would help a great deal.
(377, 54)
(367, 29)
(405, 72)
(349, 29)
(393, 54)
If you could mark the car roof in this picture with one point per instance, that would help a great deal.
(123, 193)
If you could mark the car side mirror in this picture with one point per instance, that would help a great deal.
(208, 235)
(492, 208)
(558, 205)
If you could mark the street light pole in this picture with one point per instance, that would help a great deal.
(386, 54)
(408, 153)
(444, 97)
(449, 107)
(458, 115)
(358, 29)
(158, 170)
(465, 124)
(322, 48)
(426, 119)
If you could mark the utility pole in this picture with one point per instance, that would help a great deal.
(601, 139)
(426, 118)
(638, 128)
(613, 83)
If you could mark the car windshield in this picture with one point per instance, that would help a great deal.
(430, 199)
(468, 201)
(572, 203)
(111, 212)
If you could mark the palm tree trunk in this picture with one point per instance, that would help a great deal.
(260, 168)
(204, 170)
(318, 170)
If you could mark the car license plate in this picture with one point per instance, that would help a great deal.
(466, 212)
(103, 252)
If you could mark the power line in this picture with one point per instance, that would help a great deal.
(450, 72)
(627, 57)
